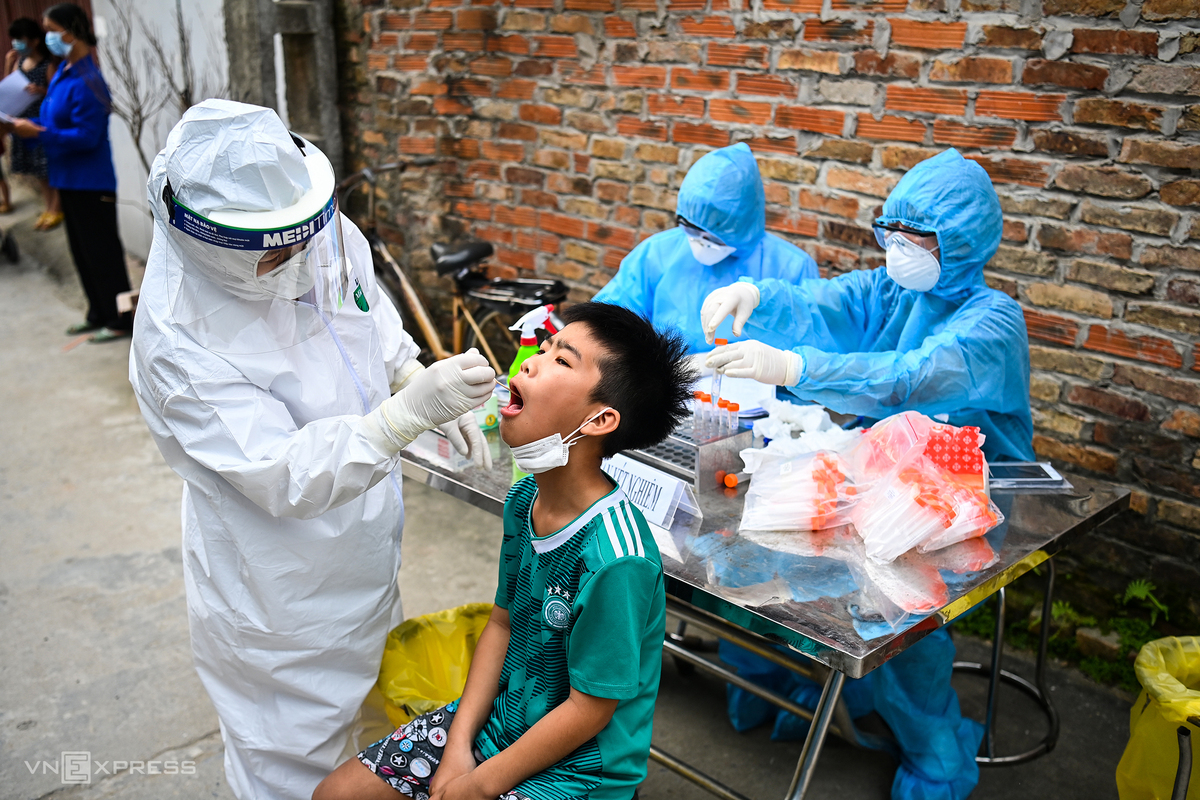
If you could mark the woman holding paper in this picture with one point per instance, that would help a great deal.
(32, 59)
(73, 127)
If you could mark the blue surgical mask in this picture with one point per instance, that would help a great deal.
(56, 45)
(20, 46)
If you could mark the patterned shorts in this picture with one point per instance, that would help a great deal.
(408, 758)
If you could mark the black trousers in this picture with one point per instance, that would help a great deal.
(91, 222)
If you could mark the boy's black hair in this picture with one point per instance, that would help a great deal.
(644, 375)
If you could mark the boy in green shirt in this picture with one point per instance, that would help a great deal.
(559, 701)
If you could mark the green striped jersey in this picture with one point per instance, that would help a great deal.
(586, 607)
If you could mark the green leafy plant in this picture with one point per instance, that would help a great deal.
(1063, 612)
(1143, 592)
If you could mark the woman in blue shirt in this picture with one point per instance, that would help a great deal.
(73, 129)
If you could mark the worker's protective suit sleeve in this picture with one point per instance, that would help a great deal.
(632, 286)
(399, 349)
(965, 363)
(246, 436)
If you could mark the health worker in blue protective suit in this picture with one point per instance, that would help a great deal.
(721, 236)
(924, 333)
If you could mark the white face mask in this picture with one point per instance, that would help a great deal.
(706, 252)
(549, 452)
(911, 265)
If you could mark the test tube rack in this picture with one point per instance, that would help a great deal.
(685, 456)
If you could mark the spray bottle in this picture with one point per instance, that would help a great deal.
(528, 325)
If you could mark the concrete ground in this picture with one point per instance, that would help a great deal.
(96, 655)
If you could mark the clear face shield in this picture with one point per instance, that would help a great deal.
(263, 288)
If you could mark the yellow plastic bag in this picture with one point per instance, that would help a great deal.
(425, 660)
(1169, 671)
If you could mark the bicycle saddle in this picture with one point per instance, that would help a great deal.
(447, 259)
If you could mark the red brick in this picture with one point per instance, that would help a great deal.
(519, 216)
(492, 66)
(973, 70)
(840, 206)
(1109, 403)
(619, 28)
(612, 192)
(777, 193)
(1049, 328)
(472, 210)
(449, 106)
(1063, 73)
(685, 5)
(639, 5)
(1014, 170)
(1181, 193)
(411, 63)
(627, 215)
(1116, 42)
(854, 181)
(539, 199)
(471, 87)
(682, 132)
(457, 189)
(818, 120)
(1085, 240)
(830, 256)
(417, 145)
(453, 40)
(632, 126)
(839, 30)
(931, 101)
(613, 258)
(516, 89)
(521, 175)
(928, 35)
(1088, 458)
(870, 6)
(377, 61)
(542, 115)
(565, 183)
(1011, 38)
(1185, 391)
(573, 73)
(1019, 105)
(554, 47)
(461, 148)
(1176, 155)
(959, 135)
(793, 6)
(749, 83)
(711, 27)
(1126, 114)
(700, 80)
(515, 44)
(493, 235)
(433, 20)
(487, 170)
(606, 6)
(1070, 143)
(1014, 231)
(515, 130)
(896, 65)
(496, 151)
(611, 235)
(736, 55)
(802, 225)
(395, 22)
(1152, 349)
(515, 258)
(428, 88)
(563, 225)
(741, 112)
(475, 19)
(772, 144)
(675, 105)
(890, 128)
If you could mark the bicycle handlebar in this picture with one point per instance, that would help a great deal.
(369, 174)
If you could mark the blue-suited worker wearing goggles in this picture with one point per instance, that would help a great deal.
(720, 236)
(924, 333)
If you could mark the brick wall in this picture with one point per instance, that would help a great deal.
(566, 127)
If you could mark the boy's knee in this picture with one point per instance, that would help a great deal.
(352, 781)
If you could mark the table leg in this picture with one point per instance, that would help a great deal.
(989, 731)
(822, 717)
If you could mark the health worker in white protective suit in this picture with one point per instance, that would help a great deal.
(278, 382)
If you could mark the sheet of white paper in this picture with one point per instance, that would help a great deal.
(654, 492)
(13, 97)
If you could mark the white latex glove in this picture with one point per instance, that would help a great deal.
(696, 363)
(434, 396)
(739, 299)
(759, 361)
(464, 433)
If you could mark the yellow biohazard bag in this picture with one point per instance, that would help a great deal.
(425, 660)
(1169, 671)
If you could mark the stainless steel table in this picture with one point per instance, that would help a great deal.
(822, 628)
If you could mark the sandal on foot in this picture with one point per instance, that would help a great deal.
(108, 335)
(51, 220)
(82, 327)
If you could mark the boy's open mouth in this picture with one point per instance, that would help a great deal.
(515, 401)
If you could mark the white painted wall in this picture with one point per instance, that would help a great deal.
(207, 23)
